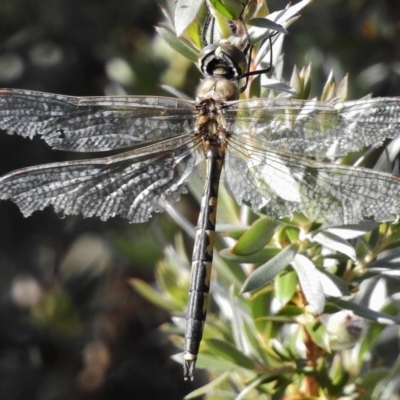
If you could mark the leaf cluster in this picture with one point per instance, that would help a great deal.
(291, 315)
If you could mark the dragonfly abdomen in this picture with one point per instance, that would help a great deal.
(202, 260)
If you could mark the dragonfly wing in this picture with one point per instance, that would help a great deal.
(316, 129)
(133, 185)
(93, 123)
(281, 183)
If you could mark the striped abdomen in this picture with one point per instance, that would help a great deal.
(202, 260)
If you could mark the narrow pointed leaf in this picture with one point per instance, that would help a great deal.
(309, 282)
(267, 272)
(206, 389)
(285, 286)
(267, 24)
(333, 285)
(185, 13)
(318, 334)
(154, 296)
(264, 254)
(336, 243)
(179, 45)
(279, 86)
(365, 312)
(353, 231)
(259, 234)
(231, 9)
(389, 260)
(230, 353)
(245, 393)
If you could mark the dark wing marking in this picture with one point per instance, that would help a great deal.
(93, 123)
(316, 129)
(133, 184)
(280, 183)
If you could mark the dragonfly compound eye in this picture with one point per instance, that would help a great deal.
(222, 59)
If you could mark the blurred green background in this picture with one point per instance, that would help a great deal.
(71, 327)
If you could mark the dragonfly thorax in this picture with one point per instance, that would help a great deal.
(217, 89)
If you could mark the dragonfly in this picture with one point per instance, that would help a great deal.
(275, 155)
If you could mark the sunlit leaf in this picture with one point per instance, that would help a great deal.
(280, 350)
(282, 17)
(335, 242)
(309, 282)
(390, 259)
(365, 312)
(352, 231)
(267, 272)
(332, 285)
(185, 13)
(267, 24)
(256, 237)
(231, 9)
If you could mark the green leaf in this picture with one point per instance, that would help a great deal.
(390, 260)
(256, 237)
(230, 230)
(206, 389)
(285, 286)
(231, 9)
(266, 23)
(208, 361)
(282, 17)
(332, 284)
(335, 242)
(154, 296)
(264, 254)
(185, 13)
(309, 282)
(230, 353)
(370, 380)
(280, 350)
(365, 312)
(329, 90)
(291, 311)
(248, 388)
(318, 334)
(352, 231)
(296, 81)
(253, 340)
(267, 272)
(179, 45)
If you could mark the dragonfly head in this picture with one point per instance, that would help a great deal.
(223, 65)
(222, 60)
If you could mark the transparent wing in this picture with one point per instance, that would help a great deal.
(93, 123)
(316, 129)
(279, 184)
(133, 184)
